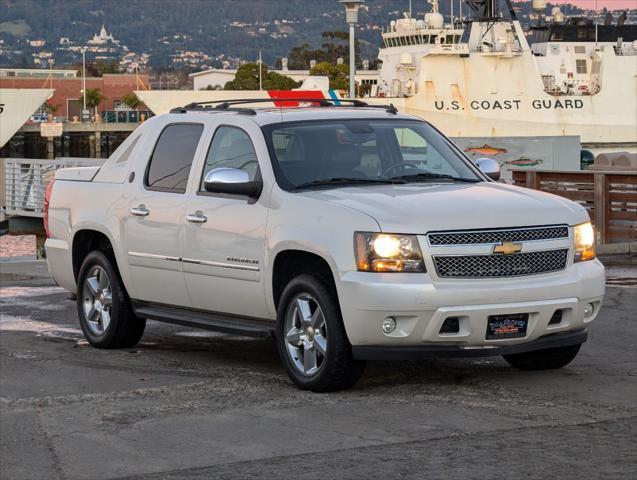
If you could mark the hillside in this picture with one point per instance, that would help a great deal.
(236, 29)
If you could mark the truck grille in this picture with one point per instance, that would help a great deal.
(497, 236)
(489, 266)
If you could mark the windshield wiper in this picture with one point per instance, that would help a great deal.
(344, 181)
(417, 176)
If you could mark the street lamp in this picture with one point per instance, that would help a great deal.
(351, 17)
(84, 112)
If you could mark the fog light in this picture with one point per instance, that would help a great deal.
(588, 310)
(389, 325)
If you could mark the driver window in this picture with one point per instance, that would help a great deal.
(231, 147)
(418, 154)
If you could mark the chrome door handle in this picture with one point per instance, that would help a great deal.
(140, 211)
(196, 218)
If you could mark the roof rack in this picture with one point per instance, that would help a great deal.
(228, 105)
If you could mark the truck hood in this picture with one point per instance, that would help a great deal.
(420, 208)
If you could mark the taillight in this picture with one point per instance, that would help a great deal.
(47, 199)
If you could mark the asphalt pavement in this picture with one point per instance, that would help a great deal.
(195, 404)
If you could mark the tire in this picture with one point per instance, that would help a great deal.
(333, 367)
(548, 359)
(101, 296)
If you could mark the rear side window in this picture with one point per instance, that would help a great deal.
(172, 158)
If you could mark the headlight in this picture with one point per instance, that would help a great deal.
(383, 252)
(584, 242)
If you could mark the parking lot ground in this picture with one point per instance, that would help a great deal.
(195, 404)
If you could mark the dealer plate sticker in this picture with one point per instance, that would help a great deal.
(505, 326)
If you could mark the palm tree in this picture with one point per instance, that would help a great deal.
(131, 100)
(52, 109)
(93, 98)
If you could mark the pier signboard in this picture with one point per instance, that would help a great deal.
(51, 129)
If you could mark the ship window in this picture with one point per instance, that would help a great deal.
(581, 66)
(580, 49)
(581, 33)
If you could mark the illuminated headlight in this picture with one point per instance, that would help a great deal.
(584, 242)
(383, 252)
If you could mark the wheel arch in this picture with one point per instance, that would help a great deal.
(85, 240)
(291, 262)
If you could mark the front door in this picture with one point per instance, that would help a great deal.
(155, 217)
(224, 236)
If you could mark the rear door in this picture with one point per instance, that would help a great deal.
(224, 235)
(157, 208)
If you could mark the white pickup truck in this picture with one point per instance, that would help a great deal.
(348, 232)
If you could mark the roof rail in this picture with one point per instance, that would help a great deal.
(228, 105)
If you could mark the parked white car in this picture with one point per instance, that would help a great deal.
(347, 232)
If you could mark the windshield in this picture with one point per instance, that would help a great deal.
(359, 152)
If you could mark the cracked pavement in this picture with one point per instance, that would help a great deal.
(196, 404)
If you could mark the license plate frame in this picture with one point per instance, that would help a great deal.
(507, 326)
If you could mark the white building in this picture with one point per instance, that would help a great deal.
(102, 38)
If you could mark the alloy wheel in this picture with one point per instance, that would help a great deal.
(97, 300)
(306, 334)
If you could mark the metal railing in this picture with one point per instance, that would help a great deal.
(25, 181)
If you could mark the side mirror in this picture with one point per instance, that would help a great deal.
(489, 167)
(232, 181)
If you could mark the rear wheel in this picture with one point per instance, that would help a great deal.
(312, 342)
(103, 307)
(548, 359)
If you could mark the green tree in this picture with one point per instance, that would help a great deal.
(98, 68)
(131, 100)
(52, 108)
(94, 98)
(335, 46)
(337, 74)
(247, 78)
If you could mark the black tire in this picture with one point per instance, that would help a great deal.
(548, 359)
(124, 329)
(338, 370)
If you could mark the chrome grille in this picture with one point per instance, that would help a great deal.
(489, 266)
(497, 236)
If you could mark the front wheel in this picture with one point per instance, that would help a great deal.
(548, 359)
(311, 339)
(103, 307)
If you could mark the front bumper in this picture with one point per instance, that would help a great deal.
(554, 340)
(420, 305)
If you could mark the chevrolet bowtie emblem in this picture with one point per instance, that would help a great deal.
(507, 248)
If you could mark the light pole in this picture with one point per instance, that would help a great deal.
(351, 17)
(83, 83)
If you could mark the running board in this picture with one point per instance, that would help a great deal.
(220, 322)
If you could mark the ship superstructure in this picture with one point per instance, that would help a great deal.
(404, 41)
(497, 85)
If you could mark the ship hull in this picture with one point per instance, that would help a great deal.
(495, 96)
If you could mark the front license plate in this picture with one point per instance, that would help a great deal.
(511, 325)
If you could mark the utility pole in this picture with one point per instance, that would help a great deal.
(351, 17)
